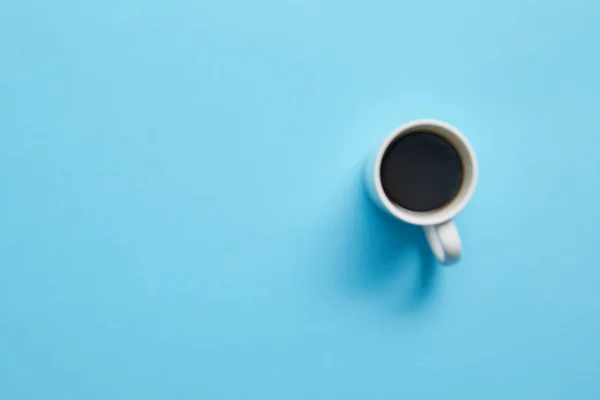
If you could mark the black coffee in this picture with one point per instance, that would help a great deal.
(421, 171)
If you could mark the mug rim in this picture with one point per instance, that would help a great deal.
(467, 155)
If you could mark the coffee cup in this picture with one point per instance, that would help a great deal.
(424, 173)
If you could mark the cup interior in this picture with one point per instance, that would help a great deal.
(469, 169)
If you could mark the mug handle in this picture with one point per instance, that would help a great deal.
(444, 241)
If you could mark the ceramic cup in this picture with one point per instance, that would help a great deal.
(440, 230)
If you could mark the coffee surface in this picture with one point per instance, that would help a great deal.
(421, 171)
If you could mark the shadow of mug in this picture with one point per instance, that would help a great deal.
(387, 255)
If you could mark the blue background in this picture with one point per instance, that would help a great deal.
(181, 213)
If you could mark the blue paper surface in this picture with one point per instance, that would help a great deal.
(181, 212)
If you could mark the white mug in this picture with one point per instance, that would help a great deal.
(440, 230)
